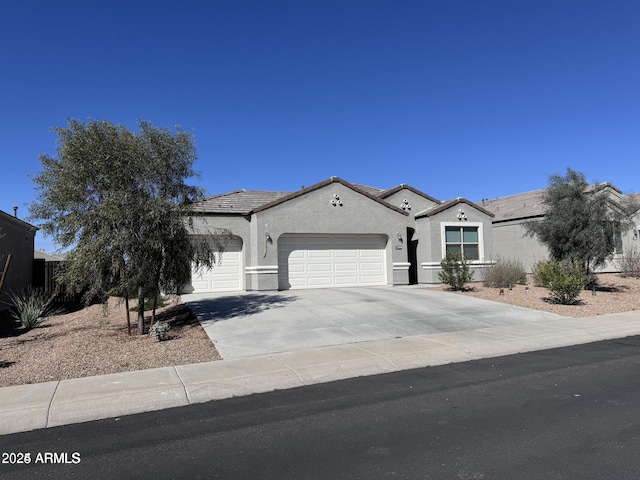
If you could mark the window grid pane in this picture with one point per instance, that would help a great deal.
(470, 235)
(452, 234)
(463, 240)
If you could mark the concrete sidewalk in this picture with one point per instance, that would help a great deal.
(29, 407)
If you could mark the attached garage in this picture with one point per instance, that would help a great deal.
(322, 261)
(225, 276)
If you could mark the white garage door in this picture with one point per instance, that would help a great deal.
(317, 261)
(225, 276)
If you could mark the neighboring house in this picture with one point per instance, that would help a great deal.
(512, 212)
(17, 240)
(337, 234)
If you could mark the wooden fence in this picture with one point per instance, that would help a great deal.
(46, 276)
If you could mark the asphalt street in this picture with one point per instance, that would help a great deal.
(569, 413)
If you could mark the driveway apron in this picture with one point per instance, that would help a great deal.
(246, 324)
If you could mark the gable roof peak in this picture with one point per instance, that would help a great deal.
(452, 203)
(325, 183)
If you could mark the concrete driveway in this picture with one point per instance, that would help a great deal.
(257, 323)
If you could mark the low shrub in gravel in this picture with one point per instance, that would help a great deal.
(564, 280)
(629, 263)
(31, 307)
(455, 271)
(504, 273)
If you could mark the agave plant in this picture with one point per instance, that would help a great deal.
(31, 307)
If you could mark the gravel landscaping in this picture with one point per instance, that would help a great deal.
(94, 340)
(614, 294)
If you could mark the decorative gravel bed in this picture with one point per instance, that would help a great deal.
(614, 294)
(94, 340)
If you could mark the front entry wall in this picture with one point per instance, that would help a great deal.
(322, 261)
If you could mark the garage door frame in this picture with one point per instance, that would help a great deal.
(350, 260)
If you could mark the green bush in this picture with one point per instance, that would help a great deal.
(455, 271)
(544, 271)
(32, 307)
(160, 331)
(564, 280)
(504, 273)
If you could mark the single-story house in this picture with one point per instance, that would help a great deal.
(337, 234)
(16, 239)
(512, 212)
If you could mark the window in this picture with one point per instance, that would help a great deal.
(463, 240)
(617, 242)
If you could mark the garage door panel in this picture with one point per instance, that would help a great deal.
(371, 279)
(346, 267)
(226, 274)
(345, 253)
(318, 261)
(318, 254)
(316, 282)
(319, 267)
(346, 281)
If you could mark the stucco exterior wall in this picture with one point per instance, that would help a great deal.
(510, 242)
(314, 212)
(415, 202)
(17, 240)
(430, 230)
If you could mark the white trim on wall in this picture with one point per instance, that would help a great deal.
(259, 269)
(472, 263)
(443, 243)
(401, 265)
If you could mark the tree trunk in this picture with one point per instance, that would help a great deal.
(140, 310)
(126, 305)
(155, 298)
(153, 311)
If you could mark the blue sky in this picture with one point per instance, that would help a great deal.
(471, 98)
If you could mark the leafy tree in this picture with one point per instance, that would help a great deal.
(119, 199)
(581, 223)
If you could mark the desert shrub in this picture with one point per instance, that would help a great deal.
(564, 280)
(629, 263)
(31, 307)
(506, 272)
(543, 271)
(455, 271)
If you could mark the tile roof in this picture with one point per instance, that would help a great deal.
(49, 257)
(391, 191)
(514, 207)
(237, 202)
(375, 191)
(530, 204)
(451, 203)
(354, 187)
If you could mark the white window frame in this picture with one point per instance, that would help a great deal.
(443, 237)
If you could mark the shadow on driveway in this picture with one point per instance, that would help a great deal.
(211, 310)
